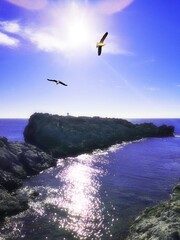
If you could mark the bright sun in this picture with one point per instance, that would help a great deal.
(74, 28)
(78, 33)
(79, 26)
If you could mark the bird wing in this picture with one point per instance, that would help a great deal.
(51, 80)
(56, 81)
(99, 50)
(103, 38)
(62, 83)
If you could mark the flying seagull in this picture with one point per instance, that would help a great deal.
(56, 81)
(100, 44)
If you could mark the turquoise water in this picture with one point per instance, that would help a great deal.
(97, 196)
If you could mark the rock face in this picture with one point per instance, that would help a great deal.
(11, 204)
(62, 136)
(159, 222)
(17, 161)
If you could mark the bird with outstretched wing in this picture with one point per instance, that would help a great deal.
(56, 81)
(100, 44)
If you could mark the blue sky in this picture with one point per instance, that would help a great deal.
(136, 76)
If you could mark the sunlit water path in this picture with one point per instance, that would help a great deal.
(97, 196)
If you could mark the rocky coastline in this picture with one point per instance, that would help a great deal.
(159, 222)
(17, 162)
(48, 137)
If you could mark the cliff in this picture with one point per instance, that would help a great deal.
(159, 222)
(62, 136)
(17, 162)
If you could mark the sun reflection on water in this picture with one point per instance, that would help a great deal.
(79, 196)
(69, 204)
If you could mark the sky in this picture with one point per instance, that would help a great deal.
(136, 76)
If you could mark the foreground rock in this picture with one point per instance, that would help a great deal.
(11, 204)
(159, 222)
(63, 136)
(17, 162)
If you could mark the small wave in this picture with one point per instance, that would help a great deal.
(177, 135)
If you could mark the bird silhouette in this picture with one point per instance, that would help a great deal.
(100, 44)
(56, 81)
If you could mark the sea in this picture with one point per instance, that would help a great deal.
(95, 196)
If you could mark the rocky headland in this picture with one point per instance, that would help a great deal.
(161, 222)
(63, 136)
(17, 162)
(50, 136)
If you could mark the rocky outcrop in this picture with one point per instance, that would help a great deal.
(63, 136)
(17, 161)
(159, 222)
(11, 203)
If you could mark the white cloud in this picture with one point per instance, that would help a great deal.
(66, 28)
(8, 41)
(44, 40)
(178, 85)
(10, 26)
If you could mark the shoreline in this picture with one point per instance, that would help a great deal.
(140, 229)
(161, 221)
(24, 155)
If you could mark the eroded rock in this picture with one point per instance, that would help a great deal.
(159, 222)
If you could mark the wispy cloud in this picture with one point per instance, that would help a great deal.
(67, 27)
(178, 85)
(152, 89)
(112, 6)
(116, 49)
(8, 40)
(44, 40)
(150, 60)
(10, 26)
(29, 4)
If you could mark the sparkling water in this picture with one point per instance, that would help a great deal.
(98, 195)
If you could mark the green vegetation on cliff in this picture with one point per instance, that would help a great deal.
(66, 135)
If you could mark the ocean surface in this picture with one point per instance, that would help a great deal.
(13, 129)
(98, 195)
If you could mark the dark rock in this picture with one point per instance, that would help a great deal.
(34, 194)
(175, 235)
(17, 161)
(9, 160)
(9, 181)
(64, 136)
(10, 205)
(165, 131)
(21, 160)
(35, 160)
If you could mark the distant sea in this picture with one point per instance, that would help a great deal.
(98, 195)
(13, 129)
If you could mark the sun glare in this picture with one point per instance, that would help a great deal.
(75, 27)
(77, 33)
(79, 27)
